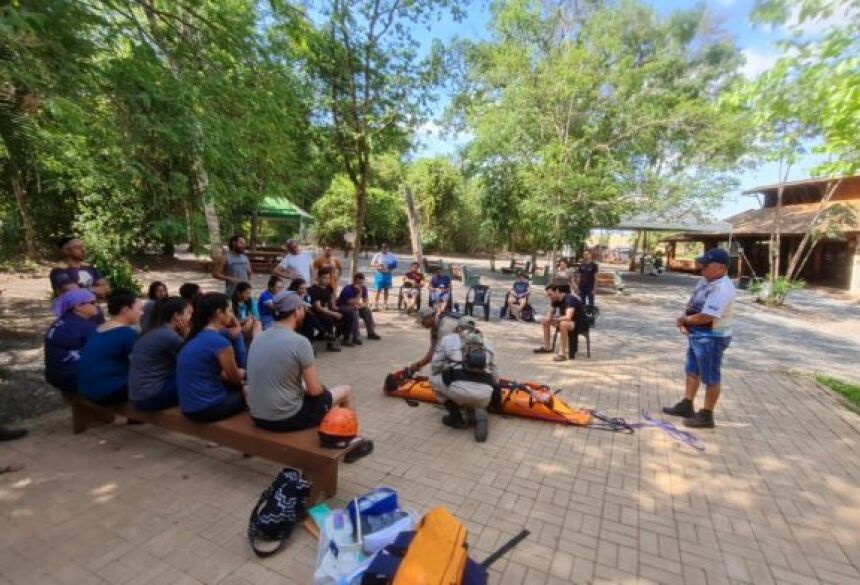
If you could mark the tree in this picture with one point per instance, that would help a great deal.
(371, 84)
(809, 97)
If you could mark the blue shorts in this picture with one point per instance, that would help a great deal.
(382, 280)
(441, 296)
(704, 357)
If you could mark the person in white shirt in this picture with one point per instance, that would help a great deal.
(463, 381)
(296, 264)
(707, 324)
(384, 262)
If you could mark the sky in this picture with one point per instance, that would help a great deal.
(758, 44)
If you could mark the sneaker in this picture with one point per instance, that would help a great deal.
(481, 425)
(332, 346)
(357, 341)
(373, 336)
(704, 419)
(559, 357)
(11, 434)
(683, 409)
(542, 349)
(346, 343)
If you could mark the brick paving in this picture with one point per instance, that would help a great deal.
(775, 498)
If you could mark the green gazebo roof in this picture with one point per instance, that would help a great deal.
(281, 208)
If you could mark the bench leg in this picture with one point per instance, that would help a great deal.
(84, 415)
(324, 480)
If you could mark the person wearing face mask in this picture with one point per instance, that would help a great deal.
(152, 369)
(78, 318)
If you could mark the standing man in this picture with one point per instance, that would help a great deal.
(707, 324)
(234, 267)
(569, 308)
(74, 273)
(296, 263)
(384, 262)
(328, 261)
(586, 275)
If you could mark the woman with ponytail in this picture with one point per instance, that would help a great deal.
(208, 379)
(152, 373)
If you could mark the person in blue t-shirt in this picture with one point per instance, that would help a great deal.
(440, 291)
(77, 319)
(208, 377)
(354, 298)
(103, 369)
(518, 296)
(245, 311)
(265, 304)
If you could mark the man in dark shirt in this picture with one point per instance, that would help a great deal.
(569, 309)
(586, 275)
(322, 302)
(76, 274)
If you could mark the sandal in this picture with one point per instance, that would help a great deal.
(361, 450)
(542, 349)
(559, 357)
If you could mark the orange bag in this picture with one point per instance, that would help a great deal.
(437, 554)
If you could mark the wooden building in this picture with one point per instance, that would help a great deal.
(834, 261)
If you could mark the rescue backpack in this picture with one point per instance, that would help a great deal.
(474, 351)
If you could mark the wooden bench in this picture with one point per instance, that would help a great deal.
(300, 449)
(610, 281)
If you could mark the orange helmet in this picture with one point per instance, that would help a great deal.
(339, 426)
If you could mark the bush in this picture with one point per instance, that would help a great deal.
(118, 271)
(777, 294)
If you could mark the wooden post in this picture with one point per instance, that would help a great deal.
(254, 228)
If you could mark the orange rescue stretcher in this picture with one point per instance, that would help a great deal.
(527, 400)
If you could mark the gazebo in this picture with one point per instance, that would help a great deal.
(278, 210)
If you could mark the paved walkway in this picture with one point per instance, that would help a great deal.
(775, 498)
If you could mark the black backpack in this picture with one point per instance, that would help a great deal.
(278, 509)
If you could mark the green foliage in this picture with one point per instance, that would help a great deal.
(850, 391)
(334, 214)
(774, 291)
(116, 269)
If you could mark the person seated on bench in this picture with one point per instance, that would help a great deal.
(77, 319)
(284, 392)
(518, 296)
(157, 293)
(413, 281)
(569, 308)
(312, 328)
(440, 291)
(264, 304)
(354, 299)
(245, 311)
(208, 377)
(152, 369)
(334, 321)
(103, 369)
(190, 291)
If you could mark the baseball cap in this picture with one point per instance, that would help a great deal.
(714, 255)
(287, 301)
(425, 313)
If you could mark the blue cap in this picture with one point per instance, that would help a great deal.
(714, 255)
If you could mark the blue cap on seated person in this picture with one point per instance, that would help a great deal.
(287, 301)
(714, 255)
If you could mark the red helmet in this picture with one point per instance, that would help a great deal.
(339, 426)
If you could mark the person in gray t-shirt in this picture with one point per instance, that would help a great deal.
(284, 393)
(234, 267)
(152, 363)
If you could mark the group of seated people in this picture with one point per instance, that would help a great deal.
(211, 355)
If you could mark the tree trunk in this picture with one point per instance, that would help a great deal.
(795, 266)
(360, 208)
(776, 240)
(493, 253)
(414, 228)
(20, 190)
(632, 264)
(556, 236)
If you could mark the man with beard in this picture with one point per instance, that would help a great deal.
(234, 267)
(284, 392)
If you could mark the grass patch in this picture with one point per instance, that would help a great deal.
(850, 391)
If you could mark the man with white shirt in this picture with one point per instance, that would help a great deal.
(296, 264)
(707, 324)
(384, 262)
